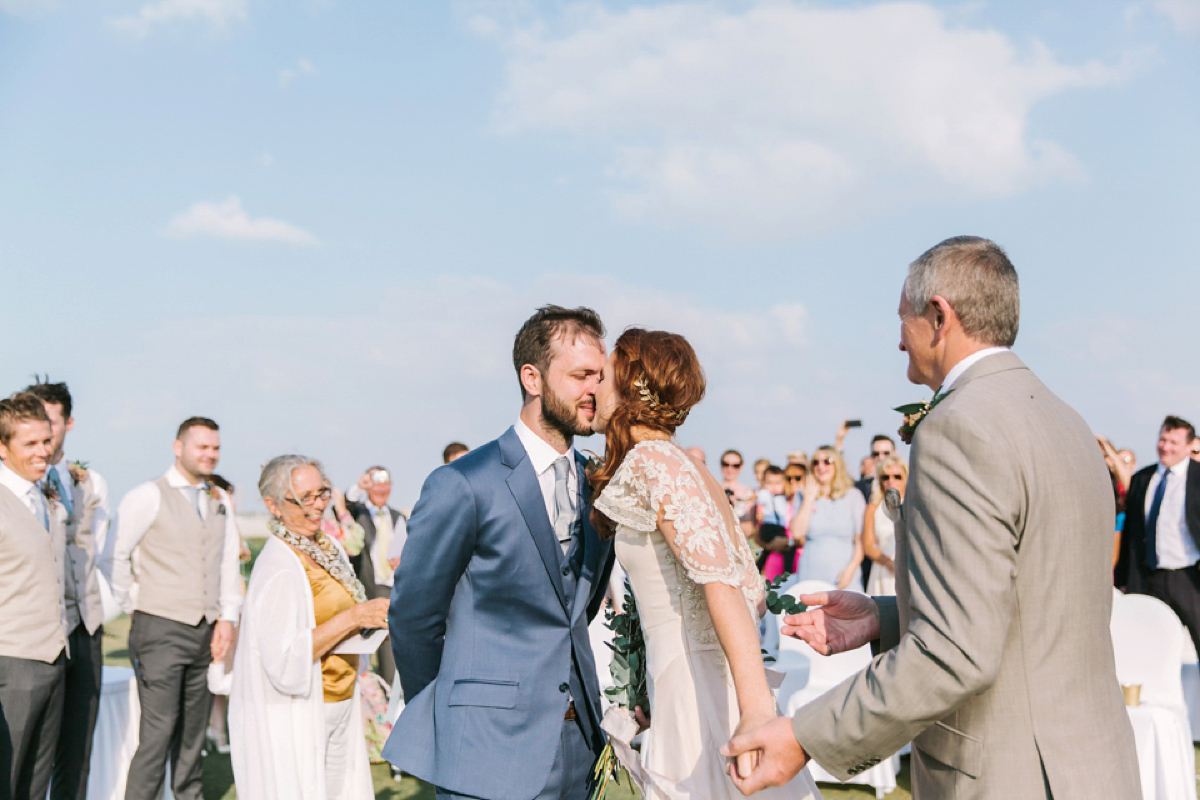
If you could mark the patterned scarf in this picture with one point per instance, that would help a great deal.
(322, 550)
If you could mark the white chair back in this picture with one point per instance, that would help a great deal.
(1148, 645)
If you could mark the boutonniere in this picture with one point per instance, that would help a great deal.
(592, 465)
(78, 470)
(914, 413)
(49, 492)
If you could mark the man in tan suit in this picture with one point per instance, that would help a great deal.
(33, 616)
(995, 656)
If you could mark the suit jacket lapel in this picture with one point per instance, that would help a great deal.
(588, 539)
(523, 484)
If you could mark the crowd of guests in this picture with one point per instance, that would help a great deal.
(292, 648)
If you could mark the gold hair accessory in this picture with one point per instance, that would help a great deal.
(651, 399)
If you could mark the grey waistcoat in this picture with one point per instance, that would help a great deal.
(179, 559)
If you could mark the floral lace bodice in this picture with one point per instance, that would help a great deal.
(657, 477)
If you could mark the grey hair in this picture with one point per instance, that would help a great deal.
(977, 280)
(276, 479)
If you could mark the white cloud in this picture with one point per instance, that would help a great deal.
(217, 13)
(303, 67)
(227, 220)
(787, 116)
(1184, 14)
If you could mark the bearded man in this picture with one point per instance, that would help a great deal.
(500, 575)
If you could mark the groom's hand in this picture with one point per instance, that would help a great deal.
(844, 621)
(780, 756)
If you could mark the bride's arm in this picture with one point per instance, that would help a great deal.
(738, 636)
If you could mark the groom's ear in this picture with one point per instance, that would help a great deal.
(941, 311)
(531, 380)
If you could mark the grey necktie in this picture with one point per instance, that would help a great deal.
(564, 511)
(197, 493)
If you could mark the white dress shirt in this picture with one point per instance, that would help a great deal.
(28, 493)
(958, 369)
(135, 515)
(1172, 541)
(542, 456)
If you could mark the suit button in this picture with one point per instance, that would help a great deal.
(566, 571)
(564, 688)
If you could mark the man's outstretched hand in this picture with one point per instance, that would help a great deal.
(780, 756)
(844, 621)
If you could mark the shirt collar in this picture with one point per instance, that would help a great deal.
(15, 483)
(1179, 469)
(541, 454)
(175, 478)
(958, 369)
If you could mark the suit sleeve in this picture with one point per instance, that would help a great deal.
(441, 540)
(963, 521)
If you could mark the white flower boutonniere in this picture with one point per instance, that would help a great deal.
(914, 413)
(78, 470)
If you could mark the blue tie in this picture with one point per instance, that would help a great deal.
(1152, 522)
(64, 496)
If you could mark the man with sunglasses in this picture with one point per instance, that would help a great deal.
(173, 565)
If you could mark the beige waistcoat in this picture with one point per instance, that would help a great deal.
(33, 617)
(81, 555)
(179, 559)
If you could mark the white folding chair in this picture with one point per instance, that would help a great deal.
(1148, 646)
(808, 675)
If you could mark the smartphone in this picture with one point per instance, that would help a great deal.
(854, 423)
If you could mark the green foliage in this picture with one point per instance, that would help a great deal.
(782, 603)
(628, 666)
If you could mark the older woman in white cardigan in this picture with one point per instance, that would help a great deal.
(295, 719)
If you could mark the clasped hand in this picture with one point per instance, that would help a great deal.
(769, 755)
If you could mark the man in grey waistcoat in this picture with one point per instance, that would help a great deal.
(33, 615)
(84, 497)
(995, 658)
(174, 565)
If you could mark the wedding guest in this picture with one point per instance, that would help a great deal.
(339, 523)
(454, 450)
(829, 523)
(295, 718)
(84, 496)
(780, 552)
(184, 595)
(33, 614)
(1120, 473)
(760, 468)
(798, 457)
(384, 532)
(881, 447)
(1160, 547)
(879, 533)
(741, 496)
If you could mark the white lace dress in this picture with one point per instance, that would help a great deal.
(692, 699)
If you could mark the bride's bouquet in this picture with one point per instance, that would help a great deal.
(628, 670)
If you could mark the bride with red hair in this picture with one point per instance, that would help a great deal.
(698, 593)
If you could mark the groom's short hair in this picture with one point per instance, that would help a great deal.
(977, 280)
(536, 337)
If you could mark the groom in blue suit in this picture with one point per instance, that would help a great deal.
(501, 573)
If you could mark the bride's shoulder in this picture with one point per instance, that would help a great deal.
(660, 453)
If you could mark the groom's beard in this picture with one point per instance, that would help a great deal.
(560, 415)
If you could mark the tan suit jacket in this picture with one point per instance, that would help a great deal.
(998, 662)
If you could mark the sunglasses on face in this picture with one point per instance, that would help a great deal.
(881, 453)
(795, 478)
(891, 477)
(822, 462)
(731, 466)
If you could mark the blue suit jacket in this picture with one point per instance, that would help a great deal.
(480, 628)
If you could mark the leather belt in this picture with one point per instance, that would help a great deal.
(570, 711)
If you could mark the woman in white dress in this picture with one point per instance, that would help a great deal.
(698, 593)
(295, 717)
(879, 534)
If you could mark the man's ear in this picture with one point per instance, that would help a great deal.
(70, 424)
(531, 380)
(178, 448)
(942, 314)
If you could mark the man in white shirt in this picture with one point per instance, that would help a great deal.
(84, 495)
(384, 532)
(1160, 546)
(174, 565)
(33, 624)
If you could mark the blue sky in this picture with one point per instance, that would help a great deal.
(321, 222)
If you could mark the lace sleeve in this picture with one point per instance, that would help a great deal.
(625, 500)
(689, 519)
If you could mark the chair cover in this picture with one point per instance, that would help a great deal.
(1148, 645)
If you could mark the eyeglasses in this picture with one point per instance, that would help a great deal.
(310, 500)
(883, 478)
(823, 462)
(731, 466)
